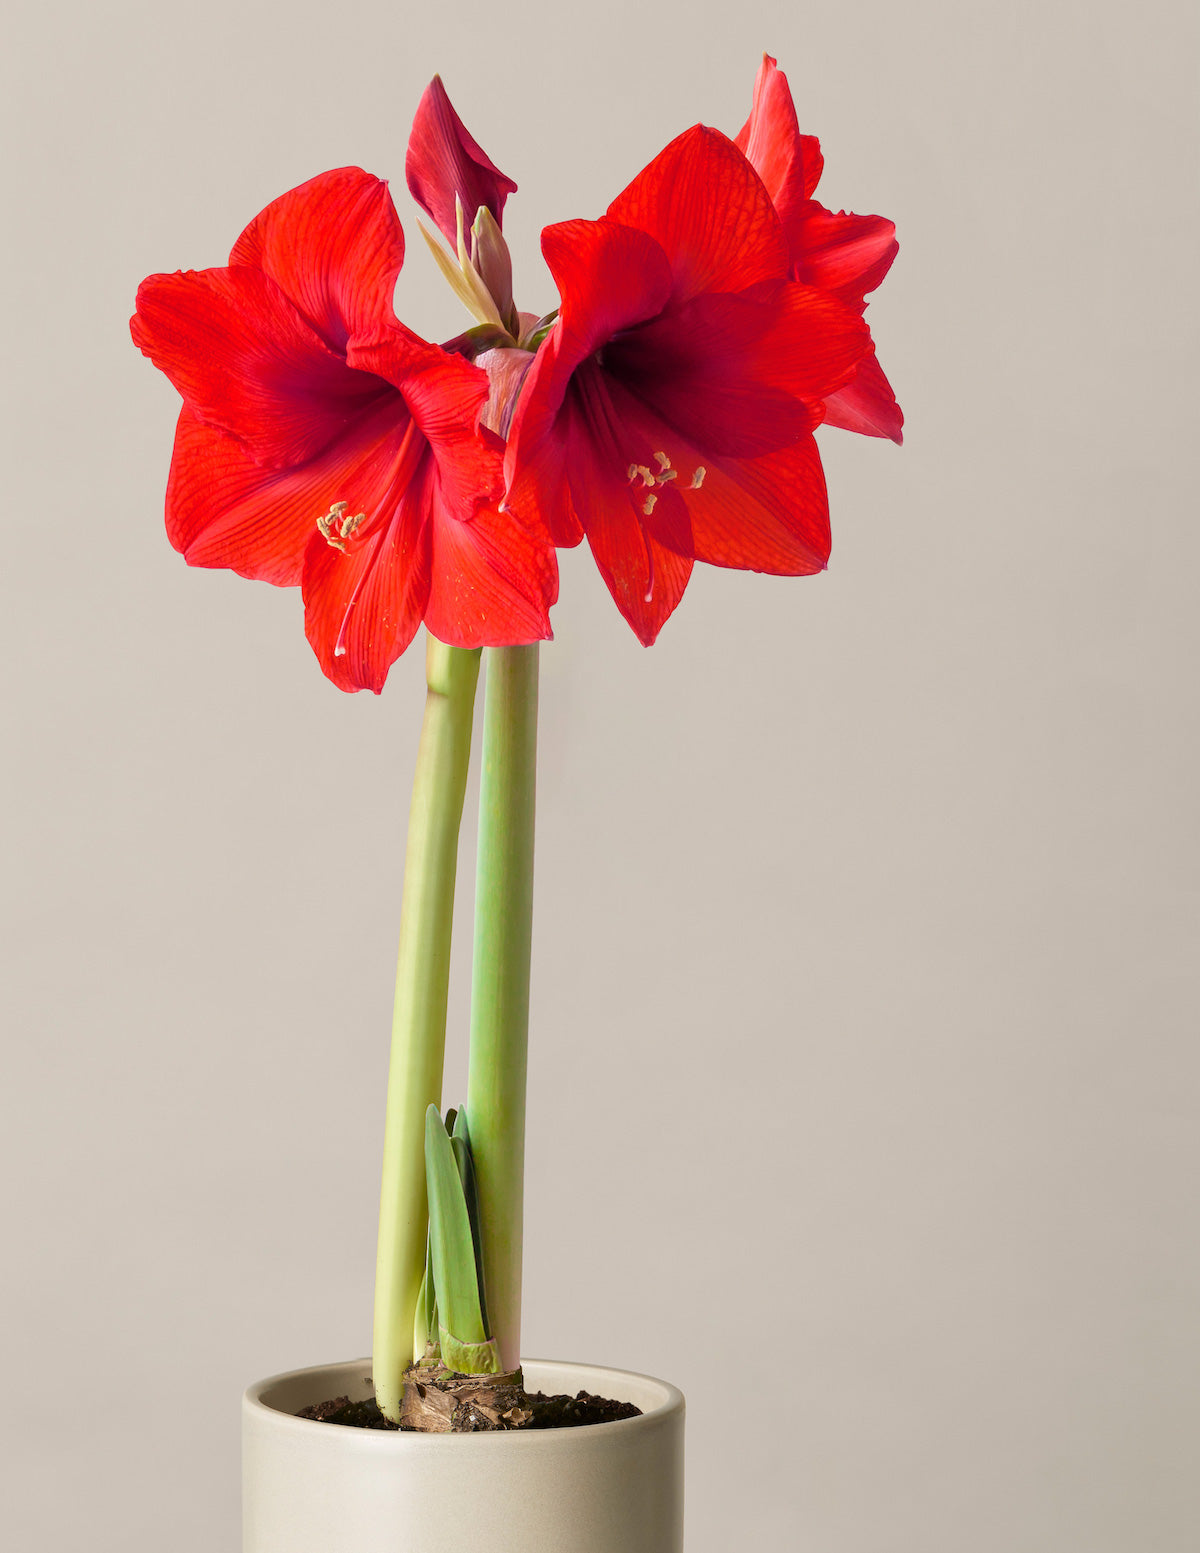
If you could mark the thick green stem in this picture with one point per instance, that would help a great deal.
(500, 986)
(419, 1019)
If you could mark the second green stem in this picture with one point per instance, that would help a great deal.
(500, 984)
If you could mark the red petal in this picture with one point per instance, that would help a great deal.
(225, 510)
(494, 575)
(767, 514)
(446, 396)
(509, 573)
(867, 404)
(788, 162)
(444, 160)
(605, 434)
(493, 581)
(363, 607)
(535, 467)
(446, 399)
(610, 278)
(335, 247)
(733, 371)
(702, 203)
(245, 361)
(646, 587)
(482, 583)
(848, 255)
(480, 578)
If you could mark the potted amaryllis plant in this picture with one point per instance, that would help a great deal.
(707, 323)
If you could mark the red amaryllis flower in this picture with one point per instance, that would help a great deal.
(843, 254)
(322, 443)
(669, 414)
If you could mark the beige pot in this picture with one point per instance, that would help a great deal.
(321, 1488)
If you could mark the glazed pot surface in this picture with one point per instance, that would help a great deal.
(310, 1487)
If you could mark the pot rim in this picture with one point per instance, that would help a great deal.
(670, 1402)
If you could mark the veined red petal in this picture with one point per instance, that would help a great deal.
(493, 577)
(444, 160)
(578, 476)
(246, 362)
(768, 514)
(484, 583)
(334, 246)
(492, 581)
(446, 401)
(445, 396)
(788, 162)
(610, 278)
(867, 404)
(638, 534)
(535, 457)
(362, 606)
(742, 373)
(646, 588)
(845, 254)
(226, 510)
(703, 204)
(765, 514)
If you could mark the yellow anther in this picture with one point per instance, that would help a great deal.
(662, 460)
(335, 528)
(648, 505)
(698, 477)
(631, 473)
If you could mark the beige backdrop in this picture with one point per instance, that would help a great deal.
(865, 980)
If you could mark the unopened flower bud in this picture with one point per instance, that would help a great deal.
(490, 256)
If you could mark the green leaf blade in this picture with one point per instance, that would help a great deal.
(452, 1256)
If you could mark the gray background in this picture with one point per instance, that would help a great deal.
(863, 1094)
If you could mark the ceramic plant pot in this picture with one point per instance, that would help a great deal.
(323, 1488)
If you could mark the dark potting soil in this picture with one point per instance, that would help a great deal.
(549, 1412)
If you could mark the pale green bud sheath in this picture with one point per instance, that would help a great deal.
(465, 282)
(419, 1018)
(493, 264)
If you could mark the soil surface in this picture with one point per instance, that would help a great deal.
(548, 1412)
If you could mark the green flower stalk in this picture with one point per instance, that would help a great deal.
(500, 983)
(419, 1018)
